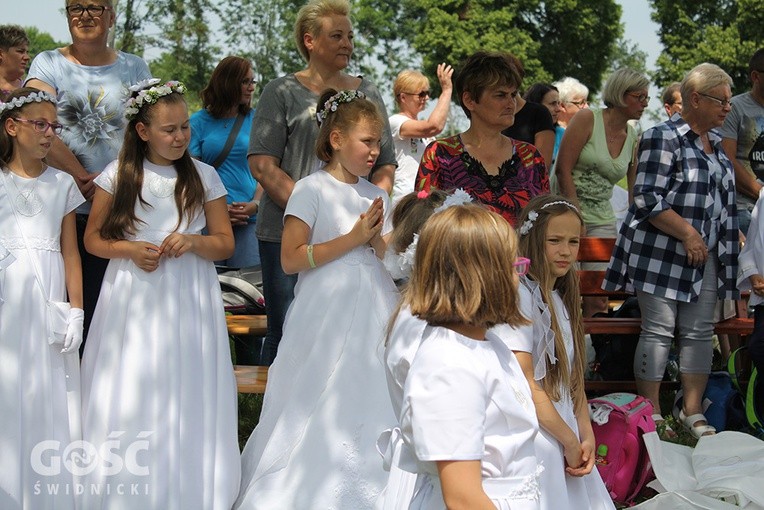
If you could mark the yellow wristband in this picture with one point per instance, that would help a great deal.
(311, 262)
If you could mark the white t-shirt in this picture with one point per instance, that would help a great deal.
(408, 154)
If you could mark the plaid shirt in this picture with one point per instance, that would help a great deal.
(674, 173)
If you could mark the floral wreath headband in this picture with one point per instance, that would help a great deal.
(400, 264)
(331, 104)
(533, 215)
(148, 92)
(34, 97)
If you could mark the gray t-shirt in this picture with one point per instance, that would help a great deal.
(745, 124)
(285, 128)
(90, 104)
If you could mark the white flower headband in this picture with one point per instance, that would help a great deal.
(147, 92)
(533, 215)
(399, 265)
(331, 104)
(34, 97)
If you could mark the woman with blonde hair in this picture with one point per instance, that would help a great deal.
(283, 137)
(411, 135)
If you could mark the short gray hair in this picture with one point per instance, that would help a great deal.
(702, 78)
(620, 82)
(569, 88)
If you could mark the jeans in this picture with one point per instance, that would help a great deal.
(247, 252)
(692, 322)
(278, 290)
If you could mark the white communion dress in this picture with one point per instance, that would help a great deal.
(39, 386)
(558, 489)
(326, 401)
(157, 379)
(463, 399)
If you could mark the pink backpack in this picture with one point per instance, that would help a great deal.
(619, 420)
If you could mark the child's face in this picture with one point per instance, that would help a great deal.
(561, 243)
(168, 133)
(358, 149)
(28, 139)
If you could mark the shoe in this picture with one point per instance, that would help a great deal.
(697, 431)
(663, 428)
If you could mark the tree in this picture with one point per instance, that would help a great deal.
(723, 32)
(40, 41)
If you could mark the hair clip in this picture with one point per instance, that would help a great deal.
(331, 104)
(458, 197)
(423, 194)
(141, 95)
(34, 97)
(533, 215)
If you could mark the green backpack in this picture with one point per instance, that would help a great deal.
(754, 395)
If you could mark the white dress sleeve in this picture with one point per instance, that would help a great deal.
(444, 405)
(107, 178)
(303, 202)
(213, 186)
(74, 197)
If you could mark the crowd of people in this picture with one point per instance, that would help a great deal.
(421, 294)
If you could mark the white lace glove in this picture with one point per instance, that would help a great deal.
(74, 330)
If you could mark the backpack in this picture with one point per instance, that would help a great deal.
(723, 404)
(619, 421)
(754, 394)
(242, 290)
(614, 354)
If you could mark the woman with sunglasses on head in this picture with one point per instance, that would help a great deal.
(220, 137)
(89, 80)
(597, 150)
(411, 135)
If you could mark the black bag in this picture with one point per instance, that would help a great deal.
(242, 290)
(614, 358)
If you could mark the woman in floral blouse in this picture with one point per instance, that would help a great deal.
(500, 172)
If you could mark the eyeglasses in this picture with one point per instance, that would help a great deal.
(249, 81)
(522, 265)
(422, 95)
(642, 98)
(580, 104)
(76, 10)
(722, 102)
(41, 126)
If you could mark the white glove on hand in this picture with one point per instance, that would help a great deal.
(74, 330)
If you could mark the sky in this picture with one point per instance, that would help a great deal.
(47, 15)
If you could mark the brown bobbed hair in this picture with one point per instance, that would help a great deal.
(483, 71)
(189, 191)
(533, 246)
(462, 270)
(346, 117)
(12, 36)
(223, 91)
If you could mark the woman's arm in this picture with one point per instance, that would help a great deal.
(544, 142)
(273, 180)
(548, 417)
(461, 483)
(671, 223)
(295, 256)
(72, 262)
(144, 255)
(217, 244)
(576, 135)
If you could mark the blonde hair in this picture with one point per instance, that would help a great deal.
(460, 273)
(619, 83)
(309, 20)
(702, 78)
(533, 246)
(406, 81)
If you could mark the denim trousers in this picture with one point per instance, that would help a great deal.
(278, 290)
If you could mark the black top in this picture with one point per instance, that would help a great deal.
(530, 120)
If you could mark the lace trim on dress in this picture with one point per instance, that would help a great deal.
(529, 487)
(35, 243)
(543, 347)
(159, 186)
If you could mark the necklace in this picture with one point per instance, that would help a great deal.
(28, 201)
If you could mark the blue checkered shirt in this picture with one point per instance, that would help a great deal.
(674, 173)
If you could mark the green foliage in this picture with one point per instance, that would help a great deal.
(41, 41)
(724, 32)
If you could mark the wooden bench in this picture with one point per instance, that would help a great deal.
(595, 249)
(250, 379)
(247, 325)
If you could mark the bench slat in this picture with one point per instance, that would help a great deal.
(250, 379)
(254, 325)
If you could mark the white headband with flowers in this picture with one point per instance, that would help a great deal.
(399, 264)
(331, 104)
(147, 92)
(34, 97)
(533, 215)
